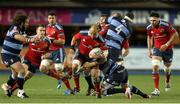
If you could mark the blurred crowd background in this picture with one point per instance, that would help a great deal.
(76, 15)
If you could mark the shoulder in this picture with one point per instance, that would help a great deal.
(14, 28)
(46, 39)
(58, 26)
(164, 23)
(149, 27)
(101, 38)
(84, 32)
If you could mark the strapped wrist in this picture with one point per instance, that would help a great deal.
(72, 47)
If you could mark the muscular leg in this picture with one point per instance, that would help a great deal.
(167, 71)
(155, 74)
(75, 66)
(96, 79)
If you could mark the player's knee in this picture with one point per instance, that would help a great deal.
(45, 63)
(44, 69)
(95, 73)
(156, 63)
(167, 69)
(58, 66)
(44, 66)
(76, 64)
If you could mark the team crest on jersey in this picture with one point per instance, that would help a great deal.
(162, 30)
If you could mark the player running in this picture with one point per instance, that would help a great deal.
(161, 34)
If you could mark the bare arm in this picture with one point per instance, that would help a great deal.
(173, 37)
(73, 44)
(166, 45)
(73, 41)
(149, 44)
(24, 39)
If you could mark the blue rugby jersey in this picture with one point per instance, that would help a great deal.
(10, 44)
(118, 31)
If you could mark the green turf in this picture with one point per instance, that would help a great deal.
(42, 89)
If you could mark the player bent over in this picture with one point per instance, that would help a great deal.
(114, 75)
(85, 40)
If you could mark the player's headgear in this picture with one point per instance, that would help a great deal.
(59, 66)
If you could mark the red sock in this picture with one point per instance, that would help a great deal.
(97, 88)
(54, 74)
(155, 77)
(168, 75)
(66, 82)
(76, 81)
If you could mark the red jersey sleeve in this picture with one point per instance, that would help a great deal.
(125, 44)
(78, 36)
(171, 30)
(60, 31)
(149, 33)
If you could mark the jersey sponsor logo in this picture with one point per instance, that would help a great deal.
(162, 30)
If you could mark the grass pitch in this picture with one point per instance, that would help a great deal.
(42, 89)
